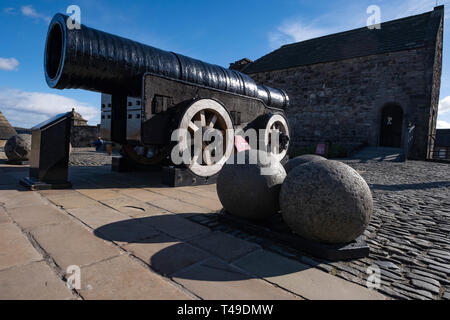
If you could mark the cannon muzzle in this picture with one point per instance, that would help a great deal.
(90, 59)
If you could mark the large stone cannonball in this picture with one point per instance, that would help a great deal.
(251, 190)
(294, 162)
(18, 147)
(326, 201)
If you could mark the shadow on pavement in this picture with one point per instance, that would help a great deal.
(195, 259)
(87, 177)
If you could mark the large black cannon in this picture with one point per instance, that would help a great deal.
(148, 93)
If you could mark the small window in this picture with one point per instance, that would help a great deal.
(103, 117)
(103, 105)
(130, 103)
(138, 116)
(109, 117)
(109, 105)
(138, 102)
(130, 116)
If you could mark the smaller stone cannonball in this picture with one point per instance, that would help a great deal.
(294, 162)
(326, 201)
(18, 147)
(251, 190)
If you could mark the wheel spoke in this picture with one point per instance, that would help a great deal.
(193, 126)
(213, 121)
(202, 118)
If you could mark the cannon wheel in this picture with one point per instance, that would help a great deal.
(269, 123)
(206, 115)
(278, 123)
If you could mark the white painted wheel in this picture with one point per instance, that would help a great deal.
(276, 125)
(206, 117)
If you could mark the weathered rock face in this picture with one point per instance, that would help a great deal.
(326, 201)
(251, 190)
(342, 101)
(18, 147)
(297, 161)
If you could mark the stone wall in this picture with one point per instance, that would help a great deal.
(83, 136)
(342, 101)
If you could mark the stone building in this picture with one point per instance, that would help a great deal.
(82, 135)
(362, 87)
(6, 130)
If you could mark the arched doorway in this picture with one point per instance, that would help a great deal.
(391, 126)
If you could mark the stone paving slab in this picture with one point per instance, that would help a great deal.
(299, 278)
(71, 244)
(123, 278)
(34, 281)
(214, 279)
(133, 207)
(192, 198)
(166, 254)
(224, 246)
(38, 215)
(73, 201)
(99, 194)
(57, 192)
(97, 216)
(126, 231)
(3, 216)
(23, 199)
(142, 194)
(210, 192)
(176, 206)
(15, 249)
(176, 226)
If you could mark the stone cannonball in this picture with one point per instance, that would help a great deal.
(294, 162)
(251, 190)
(18, 147)
(326, 201)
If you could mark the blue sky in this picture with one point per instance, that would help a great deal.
(218, 32)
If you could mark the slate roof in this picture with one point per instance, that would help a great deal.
(397, 35)
(6, 130)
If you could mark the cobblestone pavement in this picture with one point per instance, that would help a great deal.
(409, 234)
(88, 157)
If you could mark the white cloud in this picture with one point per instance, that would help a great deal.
(413, 7)
(444, 105)
(26, 109)
(8, 64)
(441, 124)
(29, 11)
(342, 19)
(295, 31)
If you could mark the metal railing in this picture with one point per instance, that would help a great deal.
(441, 153)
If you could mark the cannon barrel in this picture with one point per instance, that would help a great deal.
(93, 60)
